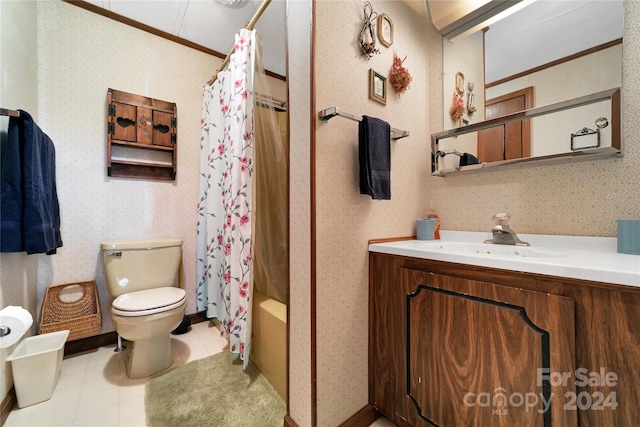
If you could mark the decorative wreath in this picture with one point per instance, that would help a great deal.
(457, 109)
(367, 37)
(399, 76)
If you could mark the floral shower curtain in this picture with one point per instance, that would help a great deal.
(225, 215)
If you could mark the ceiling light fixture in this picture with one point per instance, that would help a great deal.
(458, 18)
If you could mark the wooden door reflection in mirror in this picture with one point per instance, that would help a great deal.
(513, 140)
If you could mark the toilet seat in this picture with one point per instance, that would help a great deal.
(148, 301)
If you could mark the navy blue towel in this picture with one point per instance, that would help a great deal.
(374, 150)
(468, 159)
(29, 209)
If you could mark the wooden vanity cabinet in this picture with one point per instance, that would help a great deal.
(459, 345)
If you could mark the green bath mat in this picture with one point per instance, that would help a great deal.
(215, 392)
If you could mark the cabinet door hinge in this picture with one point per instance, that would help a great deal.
(174, 122)
(111, 128)
(173, 138)
(112, 110)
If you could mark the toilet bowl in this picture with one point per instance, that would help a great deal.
(148, 328)
(140, 275)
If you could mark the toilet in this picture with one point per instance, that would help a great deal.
(140, 276)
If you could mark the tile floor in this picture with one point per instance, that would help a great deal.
(94, 390)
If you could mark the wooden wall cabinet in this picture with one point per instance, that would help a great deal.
(141, 137)
(454, 345)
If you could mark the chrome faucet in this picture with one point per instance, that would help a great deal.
(502, 233)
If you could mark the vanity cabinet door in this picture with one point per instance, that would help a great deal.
(477, 354)
(440, 330)
(384, 326)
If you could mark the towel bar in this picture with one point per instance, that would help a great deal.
(330, 112)
(443, 153)
(10, 113)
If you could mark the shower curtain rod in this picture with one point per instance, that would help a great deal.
(275, 101)
(249, 26)
(10, 113)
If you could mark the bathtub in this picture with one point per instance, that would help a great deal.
(269, 340)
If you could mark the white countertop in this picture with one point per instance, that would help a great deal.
(578, 257)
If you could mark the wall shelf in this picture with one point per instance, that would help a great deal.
(123, 169)
(137, 127)
(143, 146)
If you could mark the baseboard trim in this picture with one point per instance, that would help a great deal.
(90, 343)
(289, 422)
(9, 401)
(108, 338)
(363, 418)
(197, 317)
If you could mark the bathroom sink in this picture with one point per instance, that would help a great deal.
(485, 249)
(578, 257)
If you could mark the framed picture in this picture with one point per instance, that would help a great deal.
(459, 83)
(385, 30)
(377, 87)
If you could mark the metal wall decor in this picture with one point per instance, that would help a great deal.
(592, 140)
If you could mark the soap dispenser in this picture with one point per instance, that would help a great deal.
(436, 227)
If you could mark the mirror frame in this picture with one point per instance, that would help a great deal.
(612, 94)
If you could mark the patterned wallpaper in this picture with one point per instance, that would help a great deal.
(299, 82)
(581, 198)
(80, 56)
(18, 89)
(68, 59)
(345, 219)
(74, 74)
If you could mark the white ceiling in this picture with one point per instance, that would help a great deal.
(545, 31)
(210, 24)
(529, 33)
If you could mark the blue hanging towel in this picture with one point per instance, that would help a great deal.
(468, 159)
(29, 209)
(374, 151)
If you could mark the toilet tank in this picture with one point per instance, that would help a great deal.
(136, 265)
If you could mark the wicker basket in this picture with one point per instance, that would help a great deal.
(81, 316)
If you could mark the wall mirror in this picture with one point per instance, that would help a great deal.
(598, 135)
(549, 69)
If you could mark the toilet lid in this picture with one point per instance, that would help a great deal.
(149, 301)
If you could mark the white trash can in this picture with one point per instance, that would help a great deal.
(35, 364)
